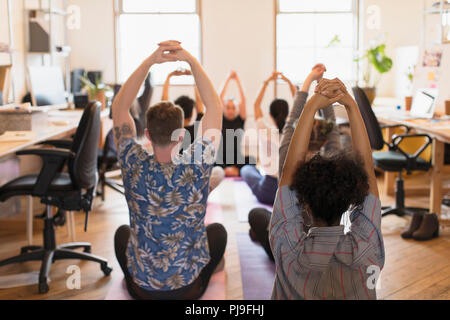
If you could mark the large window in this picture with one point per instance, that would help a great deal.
(319, 31)
(142, 24)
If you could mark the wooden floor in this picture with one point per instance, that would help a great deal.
(413, 270)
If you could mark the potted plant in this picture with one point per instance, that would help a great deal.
(376, 63)
(408, 99)
(96, 91)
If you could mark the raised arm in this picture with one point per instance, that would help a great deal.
(176, 73)
(299, 146)
(291, 85)
(214, 110)
(165, 94)
(360, 138)
(242, 102)
(262, 92)
(199, 107)
(225, 86)
(124, 127)
(299, 103)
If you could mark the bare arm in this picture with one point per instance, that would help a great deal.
(225, 88)
(165, 94)
(258, 101)
(299, 146)
(214, 110)
(360, 138)
(299, 103)
(199, 107)
(291, 85)
(243, 102)
(124, 127)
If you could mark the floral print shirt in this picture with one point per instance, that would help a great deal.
(168, 246)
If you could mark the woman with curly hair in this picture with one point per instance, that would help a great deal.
(325, 262)
(325, 135)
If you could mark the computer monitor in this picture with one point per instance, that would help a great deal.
(424, 103)
(47, 86)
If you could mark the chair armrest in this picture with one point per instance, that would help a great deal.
(47, 152)
(397, 139)
(396, 126)
(53, 163)
(63, 144)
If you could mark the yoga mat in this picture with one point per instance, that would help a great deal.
(257, 270)
(216, 288)
(246, 201)
(213, 213)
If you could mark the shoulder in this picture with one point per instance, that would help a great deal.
(286, 198)
(129, 151)
(201, 152)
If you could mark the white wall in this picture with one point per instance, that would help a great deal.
(400, 25)
(237, 34)
(93, 43)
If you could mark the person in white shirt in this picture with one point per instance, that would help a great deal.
(264, 184)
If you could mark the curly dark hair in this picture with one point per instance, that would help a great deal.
(330, 185)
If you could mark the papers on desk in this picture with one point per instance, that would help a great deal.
(16, 136)
(26, 107)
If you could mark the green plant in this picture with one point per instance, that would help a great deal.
(377, 59)
(334, 42)
(94, 88)
(410, 74)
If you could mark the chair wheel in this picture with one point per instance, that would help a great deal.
(43, 287)
(87, 250)
(106, 270)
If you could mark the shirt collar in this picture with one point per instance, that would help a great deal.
(327, 231)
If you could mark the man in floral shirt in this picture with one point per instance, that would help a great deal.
(167, 252)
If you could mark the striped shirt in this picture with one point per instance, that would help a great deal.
(325, 263)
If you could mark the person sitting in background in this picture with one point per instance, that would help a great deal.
(325, 262)
(191, 127)
(264, 185)
(229, 154)
(187, 104)
(167, 252)
(259, 217)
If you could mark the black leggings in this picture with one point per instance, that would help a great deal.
(217, 240)
(259, 220)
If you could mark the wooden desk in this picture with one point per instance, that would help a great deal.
(55, 128)
(440, 132)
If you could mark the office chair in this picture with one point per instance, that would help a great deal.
(72, 191)
(107, 162)
(107, 158)
(394, 160)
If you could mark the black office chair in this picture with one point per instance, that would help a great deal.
(394, 160)
(107, 158)
(107, 162)
(72, 191)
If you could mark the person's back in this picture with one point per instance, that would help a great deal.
(167, 252)
(325, 263)
(320, 261)
(167, 205)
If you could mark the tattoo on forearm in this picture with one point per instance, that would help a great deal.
(123, 132)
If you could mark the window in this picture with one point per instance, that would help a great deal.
(142, 24)
(319, 31)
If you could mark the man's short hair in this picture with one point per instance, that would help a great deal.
(162, 120)
(187, 104)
